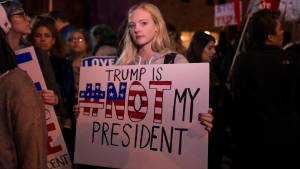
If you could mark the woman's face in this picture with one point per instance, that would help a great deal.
(141, 26)
(43, 38)
(20, 23)
(77, 43)
(208, 52)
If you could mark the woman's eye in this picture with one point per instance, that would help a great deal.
(131, 26)
(37, 35)
(144, 23)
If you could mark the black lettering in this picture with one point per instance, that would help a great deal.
(133, 74)
(112, 133)
(153, 136)
(61, 162)
(153, 74)
(117, 74)
(65, 158)
(180, 98)
(163, 134)
(141, 72)
(180, 138)
(52, 163)
(103, 133)
(142, 137)
(141, 101)
(124, 78)
(136, 132)
(159, 74)
(95, 130)
(192, 102)
(126, 135)
(108, 73)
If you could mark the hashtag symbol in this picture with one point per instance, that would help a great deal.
(91, 99)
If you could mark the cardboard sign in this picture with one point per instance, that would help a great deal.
(143, 116)
(99, 61)
(58, 156)
(224, 13)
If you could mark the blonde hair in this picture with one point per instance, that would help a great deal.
(161, 42)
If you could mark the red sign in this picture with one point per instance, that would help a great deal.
(268, 4)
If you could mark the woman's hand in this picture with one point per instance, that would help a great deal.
(76, 111)
(206, 119)
(49, 97)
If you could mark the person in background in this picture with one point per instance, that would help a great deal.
(20, 27)
(61, 23)
(105, 41)
(175, 40)
(78, 44)
(121, 33)
(23, 131)
(265, 82)
(202, 50)
(46, 36)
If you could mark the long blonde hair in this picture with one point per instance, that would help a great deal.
(161, 42)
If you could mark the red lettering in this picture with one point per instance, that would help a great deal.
(55, 149)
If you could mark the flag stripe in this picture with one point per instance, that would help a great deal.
(144, 103)
(160, 83)
(133, 93)
(136, 115)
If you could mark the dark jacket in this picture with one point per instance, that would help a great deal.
(64, 76)
(47, 72)
(265, 81)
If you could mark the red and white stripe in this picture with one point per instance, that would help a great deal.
(88, 103)
(119, 107)
(137, 88)
(160, 86)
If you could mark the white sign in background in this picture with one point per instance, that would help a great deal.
(224, 13)
(57, 154)
(143, 133)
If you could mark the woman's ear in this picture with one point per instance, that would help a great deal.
(270, 38)
(156, 27)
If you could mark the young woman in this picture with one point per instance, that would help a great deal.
(46, 36)
(78, 44)
(23, 131)
(105, 41)
(20, 27)
(201, 50)
(147, 42)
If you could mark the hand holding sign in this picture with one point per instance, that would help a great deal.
(206, 119)
(49, 97)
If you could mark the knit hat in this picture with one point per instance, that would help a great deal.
(4, 23)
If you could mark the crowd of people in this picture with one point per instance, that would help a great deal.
(259, 103)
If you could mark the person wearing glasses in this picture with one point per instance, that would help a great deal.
(20, 27)
(23, 131)
(79, 45)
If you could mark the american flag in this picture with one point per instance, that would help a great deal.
(119, 100)
(134, 114)
(159, 86)
(91, 99)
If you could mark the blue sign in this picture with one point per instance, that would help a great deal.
(95, 61)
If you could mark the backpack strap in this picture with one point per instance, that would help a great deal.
(169, 58)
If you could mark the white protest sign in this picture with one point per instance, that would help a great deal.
(57, 153)
(99, 61)
(143, 116)
(224, 13)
